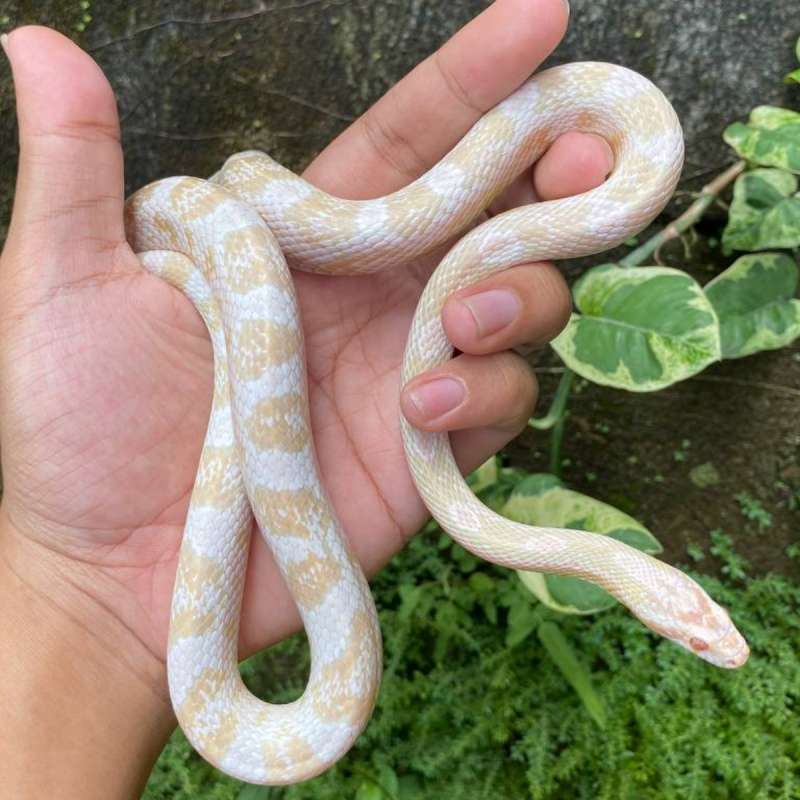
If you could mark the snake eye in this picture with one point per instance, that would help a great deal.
(698, 645)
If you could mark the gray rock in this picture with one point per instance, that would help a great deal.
(196, 82)
(715, 60)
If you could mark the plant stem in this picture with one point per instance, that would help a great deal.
(556, 440)
(555, 418)
(550, 420)
(689, 217)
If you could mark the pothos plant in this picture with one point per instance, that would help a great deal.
(641, 328)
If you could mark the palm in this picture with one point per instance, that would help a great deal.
(111, 451)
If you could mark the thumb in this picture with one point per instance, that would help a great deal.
(69, 196)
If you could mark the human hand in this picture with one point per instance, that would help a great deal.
(106, 371)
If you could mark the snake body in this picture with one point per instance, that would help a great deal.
(225, 243)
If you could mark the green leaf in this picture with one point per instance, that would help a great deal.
(771, 138)
(486, 475)
(484, 589)
(522, 620)
(537, 483)
(369, 791)
(793, 76)
(410, 595)
(568, 595)
(410, 787)
(764, 213)
(387, 780)
(639, 329)
(558, 507)
(563, 655)
(755, 302)
(640, 538)
(493, 482)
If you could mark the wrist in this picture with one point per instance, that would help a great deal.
(85, 712)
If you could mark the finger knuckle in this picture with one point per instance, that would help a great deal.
(518, 389)
(455, 87)
(391, 145)
(554, 297)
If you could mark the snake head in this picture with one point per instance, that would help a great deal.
(685, 614)
(719, 642)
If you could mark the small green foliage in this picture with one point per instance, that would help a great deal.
(251, 792)
(695, 551)
(475, 719)
(794, 75)
(752, 509)
(704, 475)
(382, 783)
(793, 550)
(733, 565)
(85, 17)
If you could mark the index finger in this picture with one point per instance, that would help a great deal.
(421, 118)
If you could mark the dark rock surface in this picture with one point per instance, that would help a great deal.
(197, 81)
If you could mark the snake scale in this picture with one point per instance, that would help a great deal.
(225, 243)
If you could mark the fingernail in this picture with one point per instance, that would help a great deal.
(566, 5)
(4, 42)
(437, 397)
(492, 310)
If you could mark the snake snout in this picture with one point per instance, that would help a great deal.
(729, 651)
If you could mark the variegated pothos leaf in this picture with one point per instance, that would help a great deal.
(639, 329)
(543, 500)
(770, 138)
(764, 213)
(755, 301)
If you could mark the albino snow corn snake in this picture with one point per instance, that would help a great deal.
(225, 243)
